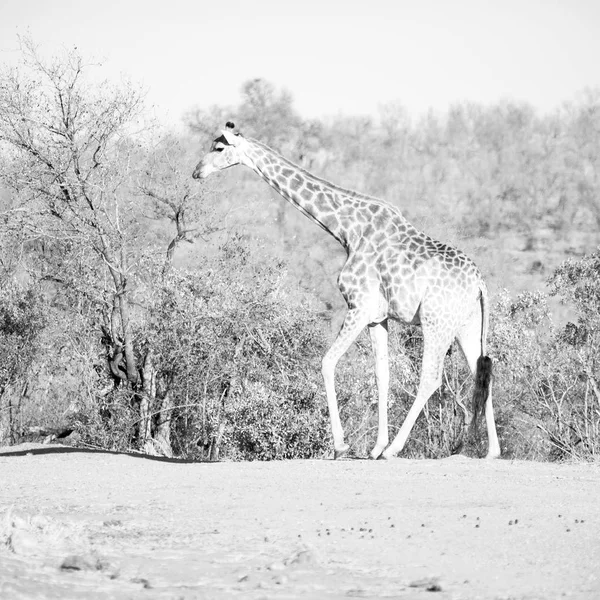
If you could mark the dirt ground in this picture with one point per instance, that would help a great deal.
(76, 524)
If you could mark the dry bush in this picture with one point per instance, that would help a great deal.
(22, 319)
(239, 358)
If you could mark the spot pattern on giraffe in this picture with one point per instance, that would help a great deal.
(392, 271)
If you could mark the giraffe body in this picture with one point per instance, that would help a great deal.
(392, 271)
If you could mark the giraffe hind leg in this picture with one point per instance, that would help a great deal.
(469, 340)
(431, 379)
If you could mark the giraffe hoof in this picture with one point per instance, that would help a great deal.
(340, 452)
(387, 455)
(491, 455)
(377, 452)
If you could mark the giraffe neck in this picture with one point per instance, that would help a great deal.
(321, 201)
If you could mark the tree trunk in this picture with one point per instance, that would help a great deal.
(147, 400)
(162, 434)
(215, 444)
(132, 374)
(120, 281)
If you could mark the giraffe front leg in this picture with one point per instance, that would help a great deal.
(379, 342)
(354, 323)
(339, 445)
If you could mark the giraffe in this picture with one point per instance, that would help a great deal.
(392, 271)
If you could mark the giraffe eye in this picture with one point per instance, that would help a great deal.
(220, 149)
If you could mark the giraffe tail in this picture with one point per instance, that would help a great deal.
(483, 372)
(483, 376)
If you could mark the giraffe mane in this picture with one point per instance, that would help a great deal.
(338, 188)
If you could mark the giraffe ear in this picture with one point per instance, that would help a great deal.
(230, 135)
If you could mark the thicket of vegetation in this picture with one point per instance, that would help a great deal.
(144, 310)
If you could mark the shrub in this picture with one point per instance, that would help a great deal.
(521, 331)
(240, 358)
(547, 376)
(22, 318)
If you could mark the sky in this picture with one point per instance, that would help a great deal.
(334, 56)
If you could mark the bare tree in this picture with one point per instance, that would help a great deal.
(165, 183)
(68, 156)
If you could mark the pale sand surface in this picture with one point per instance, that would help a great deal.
(77, 524)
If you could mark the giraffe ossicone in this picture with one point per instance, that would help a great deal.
(392, 271)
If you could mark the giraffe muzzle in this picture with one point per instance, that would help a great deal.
(200, 172)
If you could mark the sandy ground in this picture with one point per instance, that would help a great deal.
(77, 524)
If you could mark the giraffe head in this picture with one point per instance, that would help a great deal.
(224, 152)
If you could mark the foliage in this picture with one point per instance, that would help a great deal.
(549, 373)
(108, 423)
(85, 175)
(241, 358)
(223, 357)
(22, 319)
(577, 282)
(69, 160)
